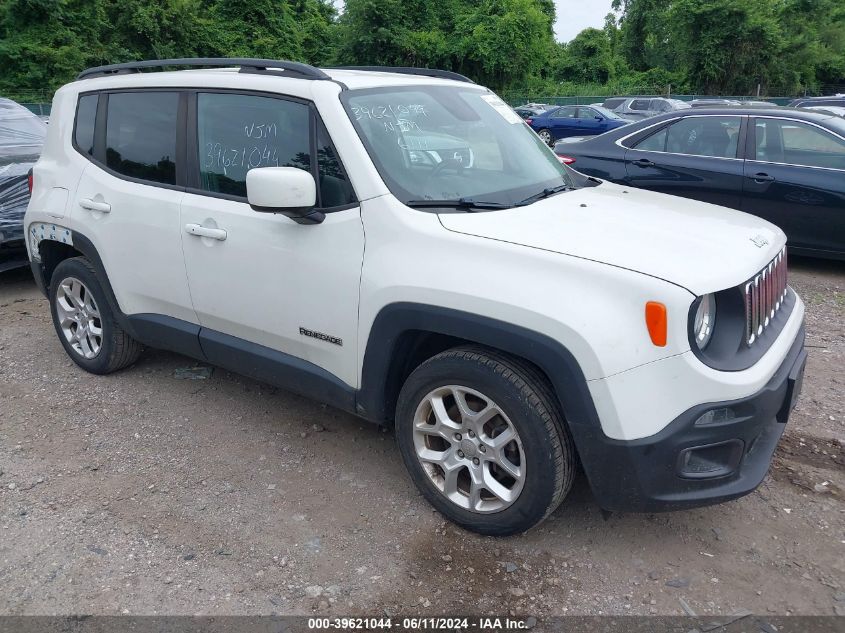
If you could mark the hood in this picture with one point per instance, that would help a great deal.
(699, 246)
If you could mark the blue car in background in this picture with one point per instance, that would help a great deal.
(574, 121)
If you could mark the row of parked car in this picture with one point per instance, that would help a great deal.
(554, 122)
(784, 164)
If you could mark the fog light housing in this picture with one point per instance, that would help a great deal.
(716, 416)
(710, 461)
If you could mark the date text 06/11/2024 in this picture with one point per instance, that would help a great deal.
(421, 624)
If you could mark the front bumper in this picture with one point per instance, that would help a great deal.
(687, 465)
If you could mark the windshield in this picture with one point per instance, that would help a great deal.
(452, 143)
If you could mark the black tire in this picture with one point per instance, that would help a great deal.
(117, 349)
(525, 397)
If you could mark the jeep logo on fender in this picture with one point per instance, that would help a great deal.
(321, 336)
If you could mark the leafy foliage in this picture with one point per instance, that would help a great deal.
(705, 46)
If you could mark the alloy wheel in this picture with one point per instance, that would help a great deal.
(79, 317)
(469, 449)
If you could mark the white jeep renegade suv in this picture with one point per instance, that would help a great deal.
(397, 243)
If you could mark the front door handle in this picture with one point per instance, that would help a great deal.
(761, 177)
(643, 162)
(102, 207)
(203, 231)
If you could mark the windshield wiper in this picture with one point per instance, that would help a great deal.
(462, 203)
(545, 193)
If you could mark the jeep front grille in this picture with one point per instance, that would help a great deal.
(764, 296)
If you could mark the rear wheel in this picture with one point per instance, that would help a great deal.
(483, 439)
(85, 322)
(545, 136)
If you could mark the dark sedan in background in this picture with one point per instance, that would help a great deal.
(574, 121)
(783, 164)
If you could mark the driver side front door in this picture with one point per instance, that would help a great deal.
(271, 295)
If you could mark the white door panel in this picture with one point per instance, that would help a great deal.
(268, 277)
(137, 233)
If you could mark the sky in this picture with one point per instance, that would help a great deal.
(575, 15)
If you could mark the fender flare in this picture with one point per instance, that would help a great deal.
(549, 355)
(87, 248)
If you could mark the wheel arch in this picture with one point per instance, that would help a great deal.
(52, 253)
(403, 335)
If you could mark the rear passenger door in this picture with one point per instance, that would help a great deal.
(563, 122)
(128, 197)
(270, 285)
(795, 178)
(693, 157)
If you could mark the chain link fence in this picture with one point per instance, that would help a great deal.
(39, 101)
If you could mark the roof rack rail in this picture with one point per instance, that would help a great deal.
(247, 64)
(409, 70)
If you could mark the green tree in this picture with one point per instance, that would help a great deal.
(726, 46)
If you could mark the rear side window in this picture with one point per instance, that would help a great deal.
(86, 114)
(237, 133)
(565, 113)
(715, 136)
(141, 135)
(796, 143)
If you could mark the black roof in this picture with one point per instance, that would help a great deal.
(801, 114)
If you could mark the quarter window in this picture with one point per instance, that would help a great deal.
(141, 135)
(715, 136)
(335, 189)
(86, 113)
(237, 133)
(796, 143)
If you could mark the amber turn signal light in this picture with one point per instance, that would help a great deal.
(655, 320)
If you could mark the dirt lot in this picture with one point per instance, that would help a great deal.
(141, 493)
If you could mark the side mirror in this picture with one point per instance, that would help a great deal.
(286, 190)
(599, 117)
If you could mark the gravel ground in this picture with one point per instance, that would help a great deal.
(140, 493)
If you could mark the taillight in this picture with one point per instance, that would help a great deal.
(29, 181)
(529, 121)
(566, 160)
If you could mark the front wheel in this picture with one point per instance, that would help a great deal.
(545, 136)
(483, 440)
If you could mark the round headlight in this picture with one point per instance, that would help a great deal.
(705, 315)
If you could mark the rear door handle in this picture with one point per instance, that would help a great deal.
(102, 207)
(762, 177)
(643, 162)
(204, 231)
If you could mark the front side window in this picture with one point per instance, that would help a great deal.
(640, 104)
(797, 143)
(236, 133)
(141, 135)
(451, 143)
(715, 136)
